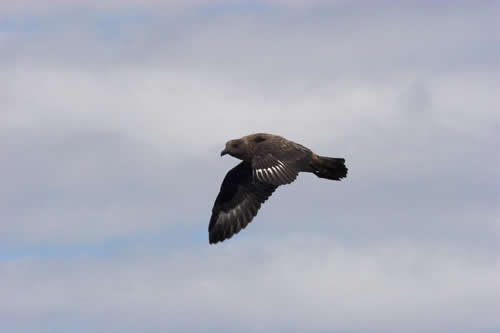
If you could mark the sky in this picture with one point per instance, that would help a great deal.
(112, 117)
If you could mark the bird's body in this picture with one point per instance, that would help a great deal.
(268, 161)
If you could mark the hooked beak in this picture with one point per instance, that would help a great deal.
(224, 152)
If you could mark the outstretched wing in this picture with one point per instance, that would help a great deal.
(238, 202)
(279, 162)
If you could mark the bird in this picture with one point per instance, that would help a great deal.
(267, 161)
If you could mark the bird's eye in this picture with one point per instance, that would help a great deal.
(236, 145)
(259, 139)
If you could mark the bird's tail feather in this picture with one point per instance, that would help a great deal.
(329, 167)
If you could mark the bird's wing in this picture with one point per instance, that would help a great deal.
(238, 202)
(279, 163)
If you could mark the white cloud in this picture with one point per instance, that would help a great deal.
(114, 151)
(110, 138)
(289, 284)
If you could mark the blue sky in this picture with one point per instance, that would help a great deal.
(113, 116)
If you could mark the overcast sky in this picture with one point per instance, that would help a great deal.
(112, 117)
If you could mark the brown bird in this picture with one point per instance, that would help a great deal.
(268, 161)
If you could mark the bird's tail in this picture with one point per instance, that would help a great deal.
(329, 167)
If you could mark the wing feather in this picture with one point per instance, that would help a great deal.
(270, 170)
(278, 161)
(237, 203)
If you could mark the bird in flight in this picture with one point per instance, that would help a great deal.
(268, 161)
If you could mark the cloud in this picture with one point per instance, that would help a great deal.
(115, 152)
(292, 285)
(35, 7)
(112, 122)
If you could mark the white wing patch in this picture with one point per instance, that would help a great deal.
(278, 174)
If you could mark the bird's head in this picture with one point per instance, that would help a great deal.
(236, 148)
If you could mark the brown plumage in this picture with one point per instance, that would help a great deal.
(268, 161)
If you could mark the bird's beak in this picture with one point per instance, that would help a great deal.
(224, 152)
